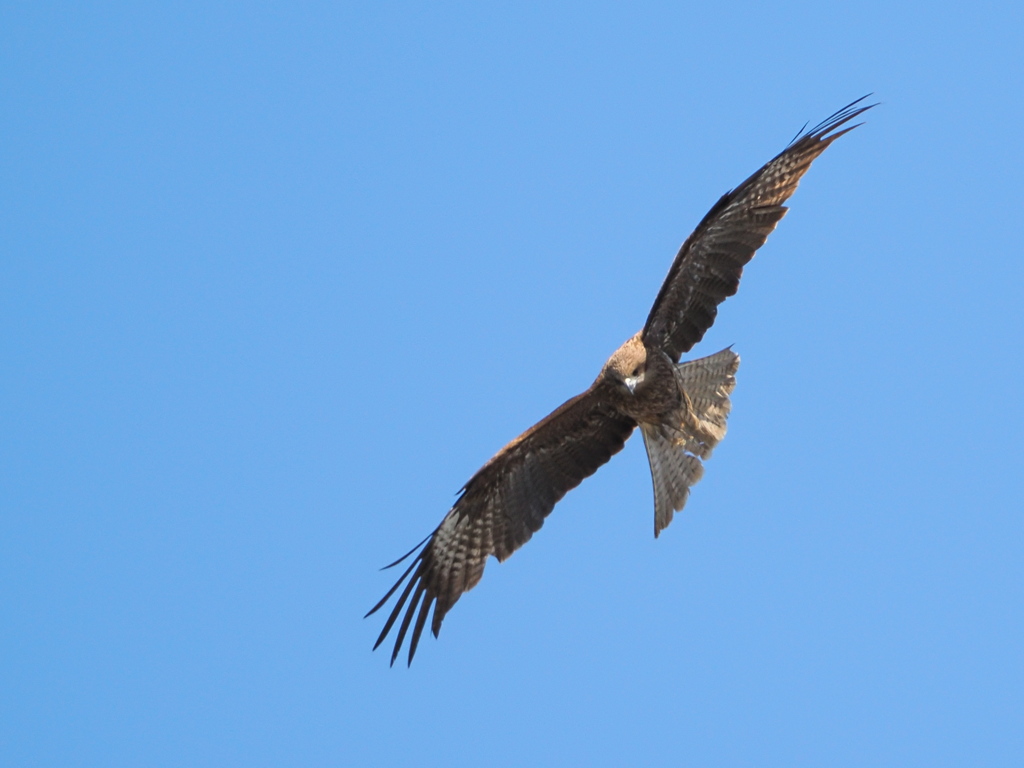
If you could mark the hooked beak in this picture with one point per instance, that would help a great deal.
(631, 382)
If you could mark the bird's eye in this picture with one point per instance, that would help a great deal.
(636, 371)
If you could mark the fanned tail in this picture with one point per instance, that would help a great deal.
(677, 447)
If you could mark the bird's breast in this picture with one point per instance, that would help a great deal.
(657, 398)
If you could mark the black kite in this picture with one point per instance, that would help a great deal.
(681, 409)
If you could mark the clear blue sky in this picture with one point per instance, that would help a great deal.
(275, 280)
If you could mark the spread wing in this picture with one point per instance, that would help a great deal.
(502, 506)
(708, 266)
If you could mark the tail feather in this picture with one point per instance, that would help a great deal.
(676, 448)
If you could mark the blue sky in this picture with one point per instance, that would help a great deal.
(276, 279)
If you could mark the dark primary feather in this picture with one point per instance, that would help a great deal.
(501, 507)
(708, 266)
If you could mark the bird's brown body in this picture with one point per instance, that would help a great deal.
(681, 408)
(641, 381)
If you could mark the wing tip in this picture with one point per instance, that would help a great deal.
(823, 130)
(415, 587)
(416, 599)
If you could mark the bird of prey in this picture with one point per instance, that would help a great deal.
(681, 408)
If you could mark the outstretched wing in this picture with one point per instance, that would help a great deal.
(502, 506)
(708, 266)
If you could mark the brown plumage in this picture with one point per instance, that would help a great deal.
(681, 409)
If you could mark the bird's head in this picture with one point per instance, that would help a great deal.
(628, 364)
